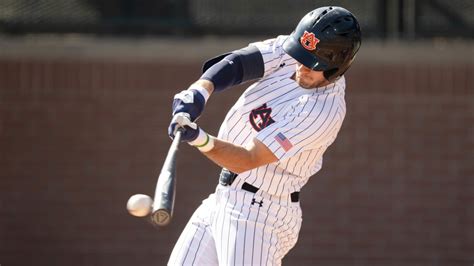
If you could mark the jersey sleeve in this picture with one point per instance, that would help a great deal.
(272, 53)
(310, 123)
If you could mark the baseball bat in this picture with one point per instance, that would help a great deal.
(163, 205)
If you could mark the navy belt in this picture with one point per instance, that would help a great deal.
(226, 178)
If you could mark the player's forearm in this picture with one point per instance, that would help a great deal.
(233, 157)
(236, 158)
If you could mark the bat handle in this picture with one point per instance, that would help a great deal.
(176, 140)
(177, 135)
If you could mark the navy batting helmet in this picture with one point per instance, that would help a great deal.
(326, 39)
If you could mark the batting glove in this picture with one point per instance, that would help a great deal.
(191, 101)
(182, 121)
(191, 133)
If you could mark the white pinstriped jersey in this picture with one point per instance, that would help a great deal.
(296, 124)
(237, 226)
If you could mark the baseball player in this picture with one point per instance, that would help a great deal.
(271, 141)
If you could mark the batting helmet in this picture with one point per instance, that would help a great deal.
(326, 39)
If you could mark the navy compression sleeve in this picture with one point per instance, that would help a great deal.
(232, 69)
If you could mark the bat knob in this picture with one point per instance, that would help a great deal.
(161, 217)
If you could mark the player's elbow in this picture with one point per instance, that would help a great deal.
(245, 163)
(237, 170)
(241, 169)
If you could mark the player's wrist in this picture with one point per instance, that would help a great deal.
(204, 142)
(201, 90)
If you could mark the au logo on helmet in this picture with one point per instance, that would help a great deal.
(309, 41)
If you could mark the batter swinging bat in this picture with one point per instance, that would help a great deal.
(165, 187)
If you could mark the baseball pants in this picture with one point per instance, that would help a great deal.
(237, 227)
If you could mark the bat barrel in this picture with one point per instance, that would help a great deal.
(165, 188)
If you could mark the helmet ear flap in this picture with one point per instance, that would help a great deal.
(329, 74)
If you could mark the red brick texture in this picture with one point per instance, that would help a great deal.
(78, 137)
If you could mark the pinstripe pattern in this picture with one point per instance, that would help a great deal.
(309, 119)
(196, 245)
(237, 227)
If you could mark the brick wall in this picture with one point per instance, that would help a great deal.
(78, 137)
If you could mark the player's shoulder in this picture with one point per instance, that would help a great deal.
(341, 83)
(273, 44)
(277, 41)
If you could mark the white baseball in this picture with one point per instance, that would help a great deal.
(139, 205)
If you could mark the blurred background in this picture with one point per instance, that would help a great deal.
(85, 99)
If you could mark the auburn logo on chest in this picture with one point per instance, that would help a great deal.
(261, 117)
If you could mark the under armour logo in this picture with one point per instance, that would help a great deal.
(282, 64)
(260, 203)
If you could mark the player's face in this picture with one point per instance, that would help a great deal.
(308, 78)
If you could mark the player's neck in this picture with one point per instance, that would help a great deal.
(318, 84)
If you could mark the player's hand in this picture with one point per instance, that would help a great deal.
(189, 101)
(182, 121)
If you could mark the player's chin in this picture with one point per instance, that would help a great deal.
(304, 83)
